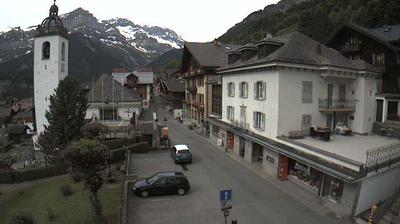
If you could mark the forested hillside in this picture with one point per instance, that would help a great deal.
(315, 18)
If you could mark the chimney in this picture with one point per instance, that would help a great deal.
(268, 35)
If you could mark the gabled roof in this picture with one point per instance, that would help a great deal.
(107, 90)
(388, 33)
(174, 85)
(143, 77)
(300, 49)
(209, 54)
(376, 34)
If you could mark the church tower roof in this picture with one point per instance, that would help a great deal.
(52, 25)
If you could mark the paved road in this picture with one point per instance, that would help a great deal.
(254, 200)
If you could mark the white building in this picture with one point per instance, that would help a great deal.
(280, 91)
(110, 102)
(50, 63)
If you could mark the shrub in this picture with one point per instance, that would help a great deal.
(66, 190)
(22, 218)
(31, 174)
(50, 214)
(76, 177)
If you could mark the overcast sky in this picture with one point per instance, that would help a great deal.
(194, 20)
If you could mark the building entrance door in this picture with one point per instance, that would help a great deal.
(241, 147)
(229, 140)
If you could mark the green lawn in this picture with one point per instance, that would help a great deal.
(74, 209)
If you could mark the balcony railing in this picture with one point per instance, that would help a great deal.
(328, 104)
(382, 156)
(350, 48)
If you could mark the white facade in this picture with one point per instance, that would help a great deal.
(48, 73)
(123, 112)
(283, 106)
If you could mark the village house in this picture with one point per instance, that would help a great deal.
(174, 93)
(110, 102)
(140, 81)
(301, 111)
(203, 85)
(380, 47)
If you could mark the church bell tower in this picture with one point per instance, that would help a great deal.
(50, 62)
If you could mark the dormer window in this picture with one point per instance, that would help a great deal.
(233, 57)
(46, 50)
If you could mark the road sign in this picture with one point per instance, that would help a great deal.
(225, 197)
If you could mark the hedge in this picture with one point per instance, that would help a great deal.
(6, 147)
(16, 176)
(118, 155)
(119, 143)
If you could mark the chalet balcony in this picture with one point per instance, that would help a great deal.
(350, 48)
(328, 105)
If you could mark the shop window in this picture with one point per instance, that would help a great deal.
(215, 131)
(332, 188)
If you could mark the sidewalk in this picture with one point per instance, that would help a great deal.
(297, 191)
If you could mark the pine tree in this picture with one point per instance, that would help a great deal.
(65, 118)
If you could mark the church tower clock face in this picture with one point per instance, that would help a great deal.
(50, 62)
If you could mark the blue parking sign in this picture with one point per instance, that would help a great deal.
(225, 195)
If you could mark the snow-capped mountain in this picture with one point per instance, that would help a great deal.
(116, 42)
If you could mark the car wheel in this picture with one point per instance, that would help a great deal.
(181, 191)
(144, 194)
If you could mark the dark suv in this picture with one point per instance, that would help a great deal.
(162, 183)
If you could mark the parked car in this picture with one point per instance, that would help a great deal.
(162, 183)
(181, 154)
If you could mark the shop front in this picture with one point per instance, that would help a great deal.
(322, 184)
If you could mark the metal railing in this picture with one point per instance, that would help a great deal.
(337, 104)
(382, 156)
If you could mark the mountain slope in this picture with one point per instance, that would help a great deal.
(169, 60)
(315, 18)
(95, 46)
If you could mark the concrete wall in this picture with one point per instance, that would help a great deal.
(291, 107)
(47, 74)
(377, 188)
(236, 145)
(365, 115)
(271, 167)
(248, 151)
(121, 111)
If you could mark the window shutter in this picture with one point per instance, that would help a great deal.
(233, 89)
(263, 121)
(227, 112)
(227, 89)
(247, 90)
(264, 90)
(255, 90)
(254, 119)
(240, 89)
